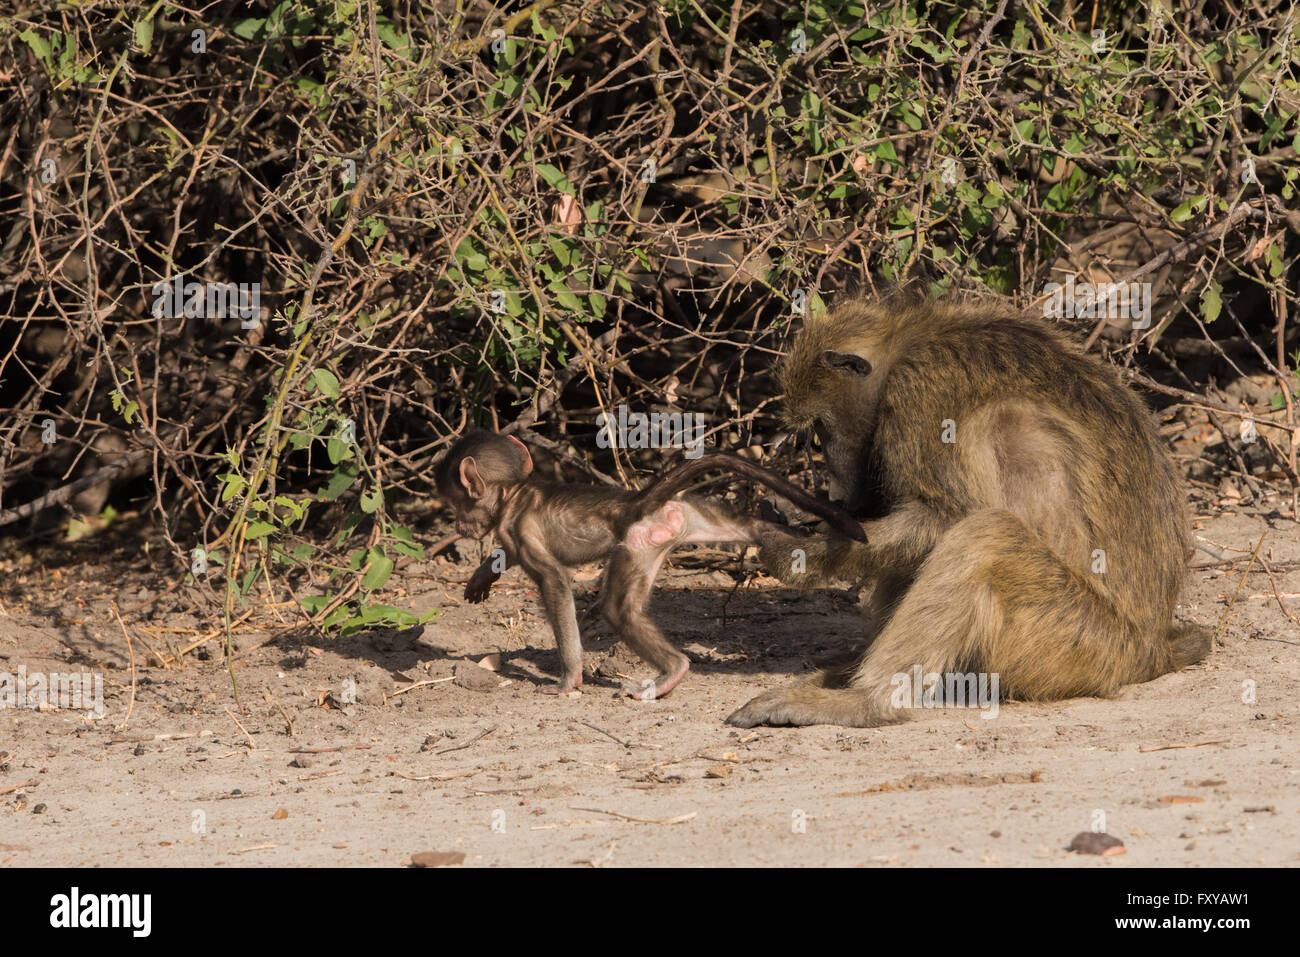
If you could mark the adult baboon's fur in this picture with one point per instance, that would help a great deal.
(1045, 541)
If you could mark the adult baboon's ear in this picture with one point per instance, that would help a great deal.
(846, 362)
(523, 450)
(475, 487)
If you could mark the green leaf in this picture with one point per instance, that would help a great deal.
(381, 566)
(566, 298)
(340, 481)
(247, 29)
(144, 33)
(1272, 256)
(1187, 210)
(398, 42)
(337, 450)
(327, 382)
(554, 178)
(312, 604)
(39, 45)
(1212, 302)
(386, 613)
(258, 529)
(234, 485)
(339, 614)
(371, 500)
(293, 506)
(909, 117)
(565, 251)
(410, 551)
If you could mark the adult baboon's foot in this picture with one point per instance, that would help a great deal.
(802, 704)
(569, 681)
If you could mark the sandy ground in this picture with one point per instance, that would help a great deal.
(506, 776)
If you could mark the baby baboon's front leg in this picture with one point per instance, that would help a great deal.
(557, 599)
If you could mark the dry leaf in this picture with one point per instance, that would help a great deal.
(567, 214)
(1262, 245)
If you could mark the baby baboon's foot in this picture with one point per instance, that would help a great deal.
(657, 529)
(651, 689)
(803, 704)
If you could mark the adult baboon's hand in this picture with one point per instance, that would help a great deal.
(808, 561)
(480, 583)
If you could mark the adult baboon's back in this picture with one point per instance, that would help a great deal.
(1031, 523)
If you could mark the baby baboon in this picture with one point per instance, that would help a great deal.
(1027, 520)
(548, 528)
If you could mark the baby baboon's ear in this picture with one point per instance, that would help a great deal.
(527, 464)
(472, 479)
(846, 362)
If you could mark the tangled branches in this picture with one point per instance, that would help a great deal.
(257, 263)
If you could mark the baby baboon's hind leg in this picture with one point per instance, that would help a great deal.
(989, 596)
(635, 565)
(628, 581)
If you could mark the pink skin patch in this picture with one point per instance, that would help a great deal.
(657, 530)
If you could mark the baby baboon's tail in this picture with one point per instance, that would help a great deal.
(1189, 644)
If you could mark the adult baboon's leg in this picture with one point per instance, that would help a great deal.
(991, 597)
(878, 608)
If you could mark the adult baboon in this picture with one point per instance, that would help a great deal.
(1030, 522)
